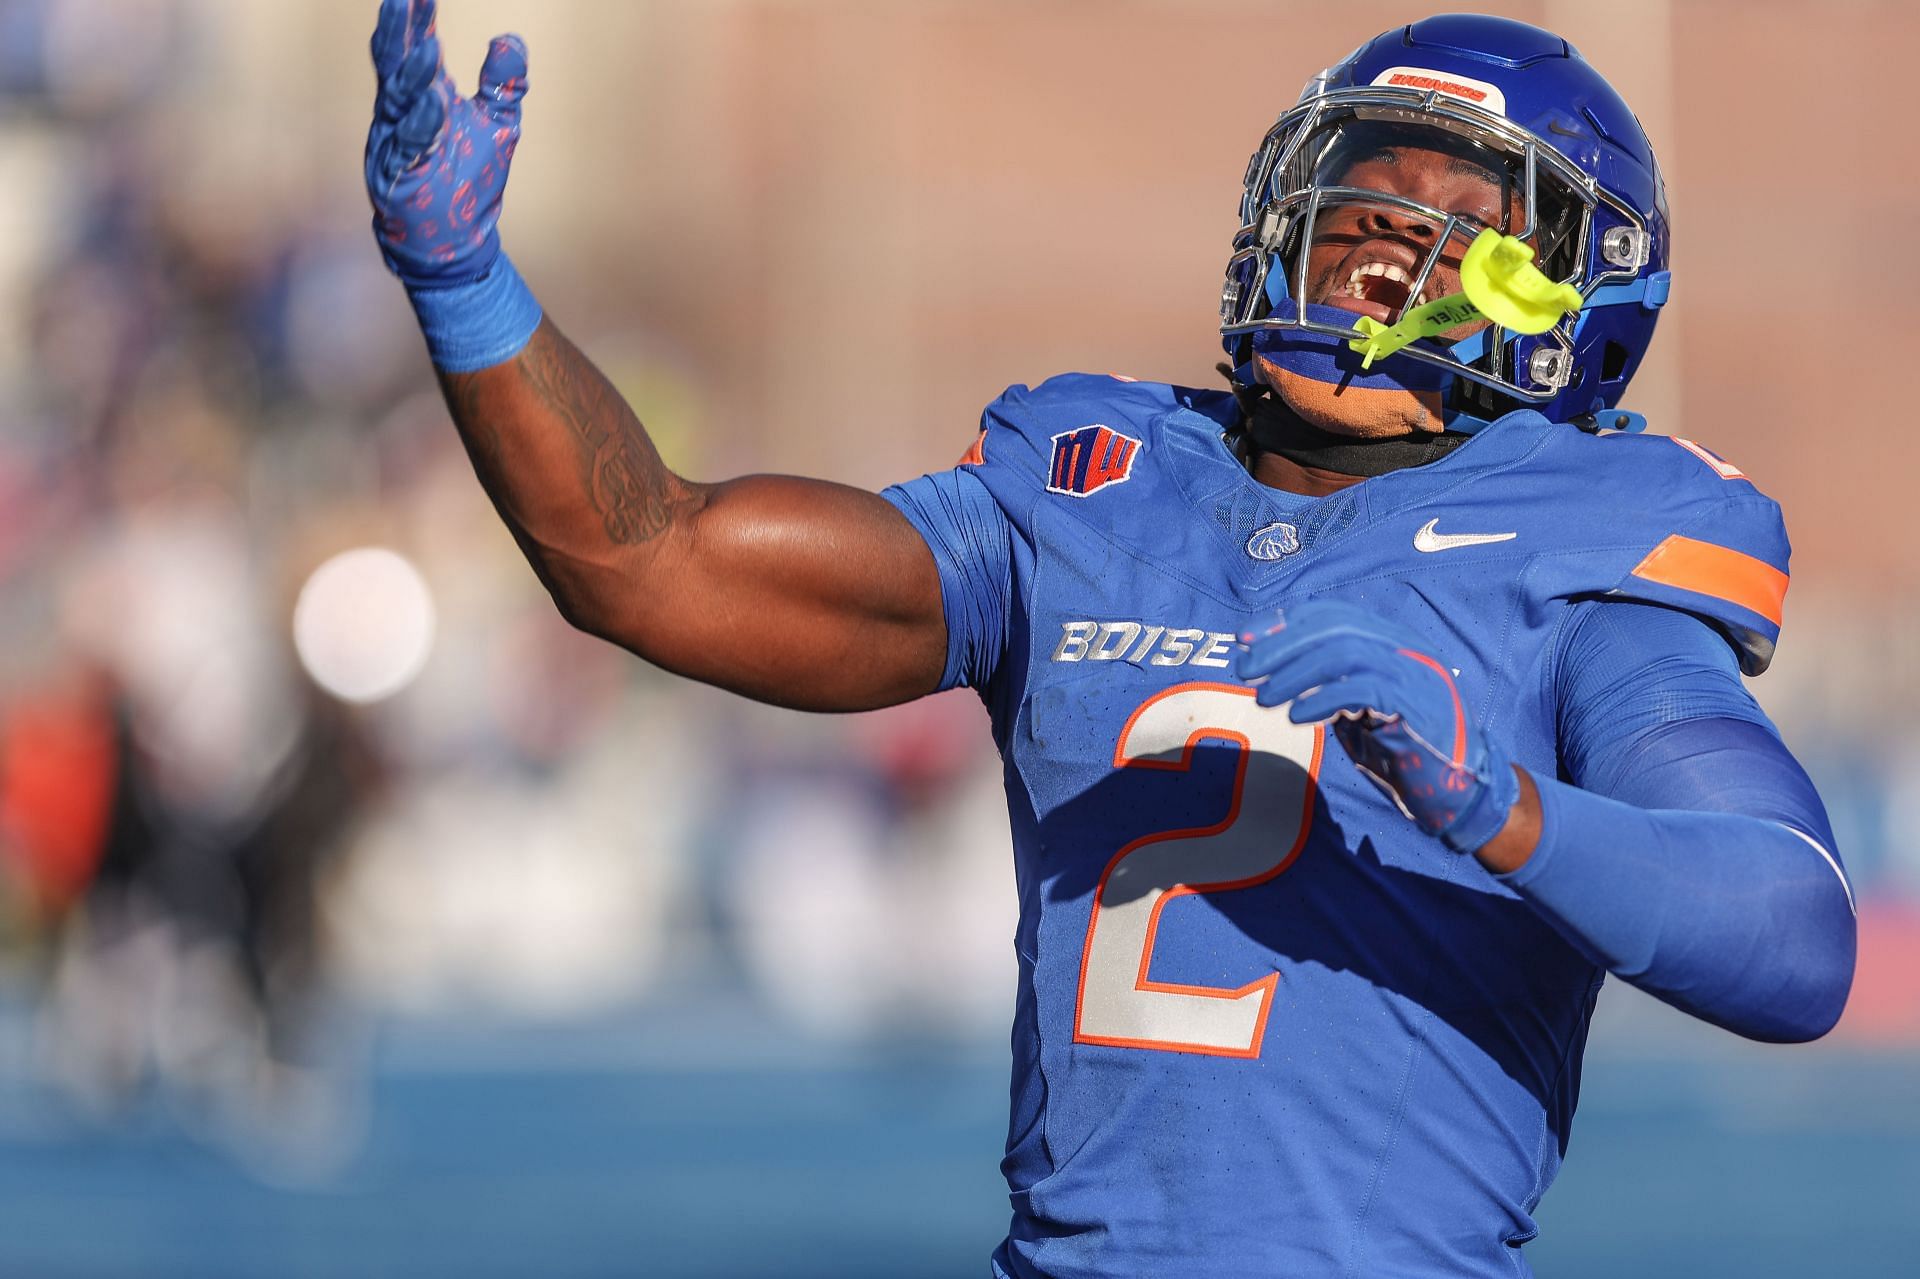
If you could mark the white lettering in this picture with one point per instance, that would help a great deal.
(1131, 641)
(1176, 648)
(1073, 641)
(1104, 649)
(1214, 654)
(1147, 642)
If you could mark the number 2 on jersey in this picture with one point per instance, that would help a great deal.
(1266, 825)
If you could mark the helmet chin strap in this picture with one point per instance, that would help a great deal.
(1332, 360)
(1325, 357)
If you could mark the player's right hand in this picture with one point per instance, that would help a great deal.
(436, 162)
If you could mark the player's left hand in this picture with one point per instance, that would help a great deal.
(1395, 709)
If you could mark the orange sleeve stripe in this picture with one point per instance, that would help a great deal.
(1706, 569)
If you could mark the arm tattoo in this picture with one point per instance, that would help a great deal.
(633, 492)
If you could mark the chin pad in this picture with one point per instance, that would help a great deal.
(1321, 357)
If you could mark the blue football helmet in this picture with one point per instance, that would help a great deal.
(1520, 108)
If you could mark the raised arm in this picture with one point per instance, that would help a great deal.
(792, 591)
(797, 592)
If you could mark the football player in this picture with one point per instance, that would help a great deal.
(1357, 719)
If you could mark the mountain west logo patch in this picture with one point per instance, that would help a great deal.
(1087, 460)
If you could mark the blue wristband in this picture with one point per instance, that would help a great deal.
(478, 325)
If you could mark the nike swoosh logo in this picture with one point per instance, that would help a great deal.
(1428, 540)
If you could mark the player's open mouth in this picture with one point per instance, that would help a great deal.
(1375, 288)
(1376, 278)
(1382, 282)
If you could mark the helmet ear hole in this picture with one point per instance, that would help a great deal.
(1613, 362)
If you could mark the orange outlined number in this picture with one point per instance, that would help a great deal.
(1265, 827)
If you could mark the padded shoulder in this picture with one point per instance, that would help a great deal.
(1018, 429)
(1696, 535)
(1077, 434)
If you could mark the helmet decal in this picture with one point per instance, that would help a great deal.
(1478, 92)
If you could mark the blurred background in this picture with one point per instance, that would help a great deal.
(358, 918)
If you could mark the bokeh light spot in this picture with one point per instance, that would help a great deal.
(363, 625)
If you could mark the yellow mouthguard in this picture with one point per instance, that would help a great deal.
(1500, 282)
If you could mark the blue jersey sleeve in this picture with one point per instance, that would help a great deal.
(970, 538)
(975, 515)
(1717, 548)
(1692, 856)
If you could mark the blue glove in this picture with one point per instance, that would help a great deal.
(1395, 710)
(437, 162)
(436, 168)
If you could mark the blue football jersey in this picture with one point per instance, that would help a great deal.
(1264, 1025)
